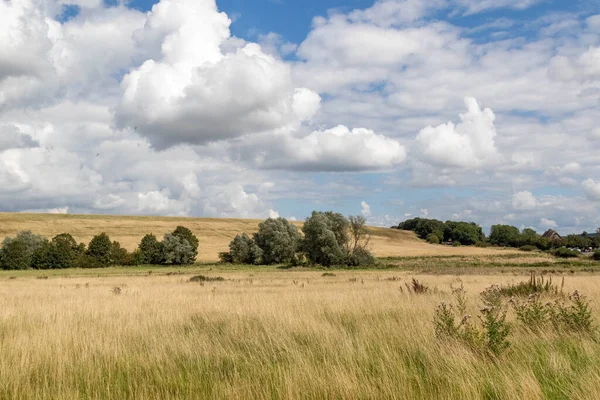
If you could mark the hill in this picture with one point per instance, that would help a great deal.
(214, 234)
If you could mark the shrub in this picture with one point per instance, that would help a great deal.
(177, 250)
(528, 247)
(533, 285)
(185, 234)
(17, 252)
(563, 252)
(150, 250)
(417, 287)
(202, 278)
(596, 255)
(360, 258)
(277, 238)
(100, 249)
(433, 239)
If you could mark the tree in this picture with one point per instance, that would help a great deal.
(359, 234)
(118, 255)
(359, 242)
(186, 234)
(65, 251)
(17, 252)
(326, 238)
(467, 233)
(100, 249)
(151, 250)
(504, 235)
(177, 250)
(243, 250)
(278, 239)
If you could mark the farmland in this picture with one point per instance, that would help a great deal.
(213, 234)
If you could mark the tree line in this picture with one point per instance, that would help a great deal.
(29, 251)
(469, 233)
(327, 239)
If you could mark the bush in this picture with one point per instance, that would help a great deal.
(596, 255)
(177, 250)
(528, 247)
(361, 257)
(563, 252)
(150, 251)
(433, 239)
(17, 253)
(277, 238)
(202, 278)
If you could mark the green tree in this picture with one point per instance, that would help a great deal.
(177, 250)
(100, 249)
(186, 234)
(17, 252)
(466, 233)
(326, 238)
(278, 239)
(504, 235)
(243, 250)
(151, 250)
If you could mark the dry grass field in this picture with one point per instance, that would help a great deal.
(271, 334)
(214, 234)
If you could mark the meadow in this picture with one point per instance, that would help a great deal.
(247, 332)
(265, 332)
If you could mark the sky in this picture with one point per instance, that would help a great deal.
(477, 110)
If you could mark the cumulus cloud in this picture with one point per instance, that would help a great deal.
(365, 209)
(591, 189)
(191, 92)
(548, 223)
(524, 201)
(469, 144)
(336, 149)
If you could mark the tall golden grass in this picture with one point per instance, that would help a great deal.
(214, 234)
(270, 334)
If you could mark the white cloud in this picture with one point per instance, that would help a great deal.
(273, 214)
(548, 223)
(336, 149)
(469, 144)
(365, 209)
(524, 201)
(191, 92)
(478, 6)
(591, 189)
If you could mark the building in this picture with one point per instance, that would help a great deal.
(552, 235)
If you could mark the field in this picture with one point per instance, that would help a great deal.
(214, 234)
(277, 333)
(270, 333)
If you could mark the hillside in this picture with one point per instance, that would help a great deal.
(214, 234)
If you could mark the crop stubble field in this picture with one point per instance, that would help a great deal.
(266, 332)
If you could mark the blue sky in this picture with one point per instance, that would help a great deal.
(453, 109)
